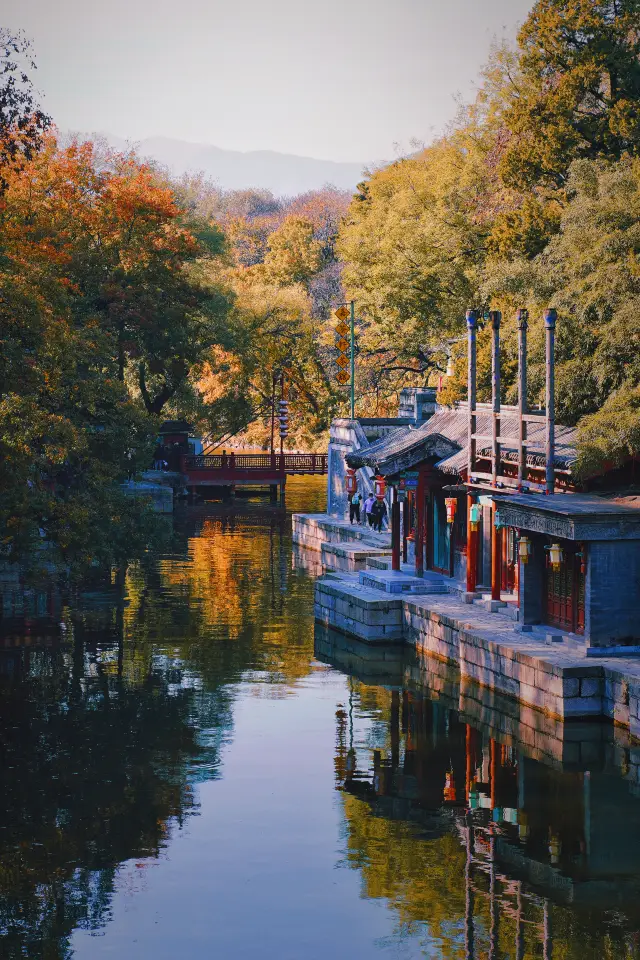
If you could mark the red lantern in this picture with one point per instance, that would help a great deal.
(351, 481)
(451, 503)
(380, 487)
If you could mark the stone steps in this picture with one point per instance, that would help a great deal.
(396, 582)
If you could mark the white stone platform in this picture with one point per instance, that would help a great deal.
(342, 545)
(396, 581)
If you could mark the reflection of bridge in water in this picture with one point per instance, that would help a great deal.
(206, 472)
(547, 814)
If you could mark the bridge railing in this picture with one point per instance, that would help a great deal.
(287, 462)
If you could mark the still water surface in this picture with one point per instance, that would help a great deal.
(191, 769)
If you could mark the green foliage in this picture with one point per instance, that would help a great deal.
(530, 200)
(578, 89)
(610, 436)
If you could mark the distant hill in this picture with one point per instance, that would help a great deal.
(283, 173)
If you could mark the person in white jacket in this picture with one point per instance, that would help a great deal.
(368, 507)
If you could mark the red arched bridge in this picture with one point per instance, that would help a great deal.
(249, 469)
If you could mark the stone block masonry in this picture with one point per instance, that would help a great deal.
(341, 546)
(554, 680)
(359, 611)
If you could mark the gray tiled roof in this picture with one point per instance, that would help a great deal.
(451, 423)
(380, 449)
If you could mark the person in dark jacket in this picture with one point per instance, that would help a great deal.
(354, 507)
(378, 513)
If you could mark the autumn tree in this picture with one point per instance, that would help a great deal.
(294, 254)
(274, 336)
(104, 319)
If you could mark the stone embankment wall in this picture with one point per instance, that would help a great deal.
(364, 613)
(560, 689)
(558, 681)
(559, 684)
(339, 546)
(577, 745)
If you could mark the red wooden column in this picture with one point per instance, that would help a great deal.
(395, 531)
(420, 523)
(406, 510)
(496, 557)
(472, 549)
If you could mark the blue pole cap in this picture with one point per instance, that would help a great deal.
(472, 319)
(550, 317)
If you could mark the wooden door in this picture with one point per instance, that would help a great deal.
(564, 591)
(509, 560)
(440, 535)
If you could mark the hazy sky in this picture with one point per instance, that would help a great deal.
(337, 79)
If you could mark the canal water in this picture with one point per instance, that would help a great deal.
(191, 768)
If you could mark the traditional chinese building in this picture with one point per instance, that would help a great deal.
(485, 495)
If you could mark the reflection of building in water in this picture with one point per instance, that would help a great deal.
(535, 836)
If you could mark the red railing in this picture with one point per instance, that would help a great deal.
(315, 463)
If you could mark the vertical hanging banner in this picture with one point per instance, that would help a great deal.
(342, 345)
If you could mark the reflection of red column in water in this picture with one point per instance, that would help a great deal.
(409, 731)
(493, 747)
(470, 747)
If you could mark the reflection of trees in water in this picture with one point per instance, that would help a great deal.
(94, 771)
(230, 607)
(103, 735)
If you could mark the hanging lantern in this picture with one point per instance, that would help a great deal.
(351, 481)
(524, 549)
(556, 556)
(380, 487)
(283, 418)
(451, 503)
(475, 515)
(450, 367)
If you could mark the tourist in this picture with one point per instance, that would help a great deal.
(158, 457)
(368, 507)
(354, 507)
(379, 512)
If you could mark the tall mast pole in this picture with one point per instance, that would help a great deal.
(496, 317)
(523, 316)
(352, 306)
(550, 328)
